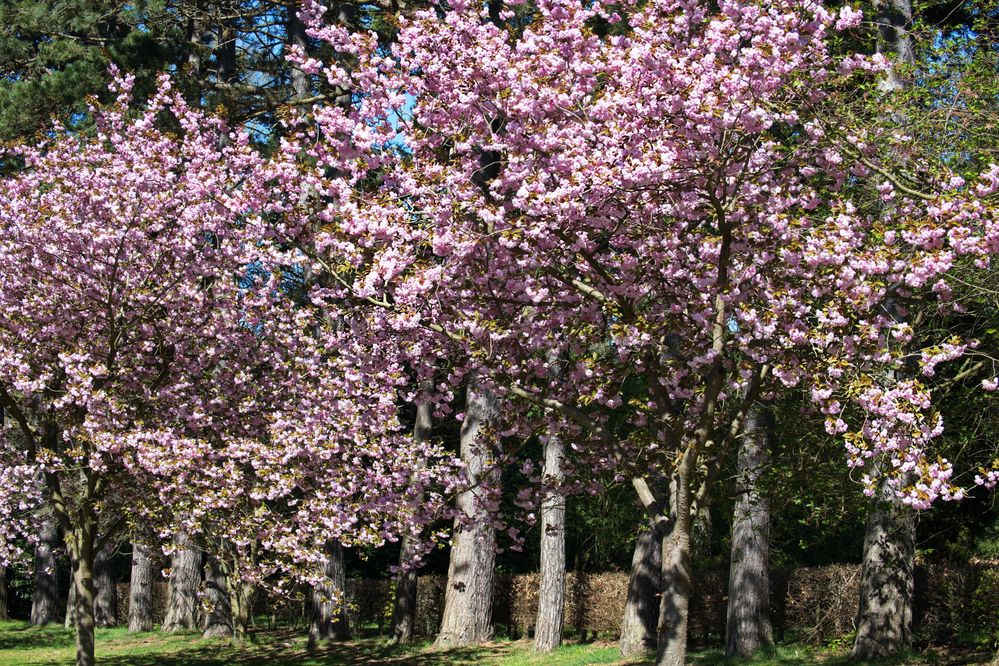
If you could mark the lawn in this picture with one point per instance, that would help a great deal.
(22, 644)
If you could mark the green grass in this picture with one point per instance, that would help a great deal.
(797, 654)
(24, 645)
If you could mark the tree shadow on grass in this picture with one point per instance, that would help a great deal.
(287, 647)
(24, 636)
(794, 656)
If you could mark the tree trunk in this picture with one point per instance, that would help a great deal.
(217, 622)
(551, 592)
(300, 83)
(105, 596)
(4, 614)
(328, 602)
(468, 599)
(140, 590)
(195, 48)
(884, 619)
(884, 616)
(676, 576)
(894, 20)
(404, 608)
(182, 593)
(45, 593)
(82, 562)
(748, 626)
(225, 53)
(71, 617)
(641, 610)
(241, 597)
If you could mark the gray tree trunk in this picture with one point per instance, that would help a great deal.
(4, 614)
(404, 607)
(195, 36)
(894, 20)
(300, 83)
(45, 593)
(468, 598)
(217, 621)
(748, 627)
(677, 571)
(71, 616)
(641, 610)
(82, 561)
(241, 597)
(182, 592)
(328, 619)
(551, 592)
(884, 615)
(884, 618)
(105, 596)
(105, 605)
(140, 589)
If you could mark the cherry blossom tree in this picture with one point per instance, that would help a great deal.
(668, 211)
(157, 367)
(114, 263)
(625, 222)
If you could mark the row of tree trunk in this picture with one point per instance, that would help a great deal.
(468, 597)
(884, 617)
(199, 594)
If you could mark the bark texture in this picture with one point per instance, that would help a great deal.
(748, 627)
(80, 544)
(195, 37)
(894, 21)
(182, 592)
(140, 591)
(70, 621)
(242, 594)
(641, 610)
(551, 589)
(300, 83)
(4, 614)
(328, 601)
(83, 583)
(404, 607)
(217, 621)
(468, 598)
(45, 591)
(105, 600)
(105, 597)
(884, 618)
(677, 569)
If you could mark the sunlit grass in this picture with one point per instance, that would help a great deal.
(23, 645)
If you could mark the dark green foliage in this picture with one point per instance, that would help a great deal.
(55, 53)
(227, 55)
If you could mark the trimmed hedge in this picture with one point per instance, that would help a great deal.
(812, 604)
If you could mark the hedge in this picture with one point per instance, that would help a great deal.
(812, 604)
